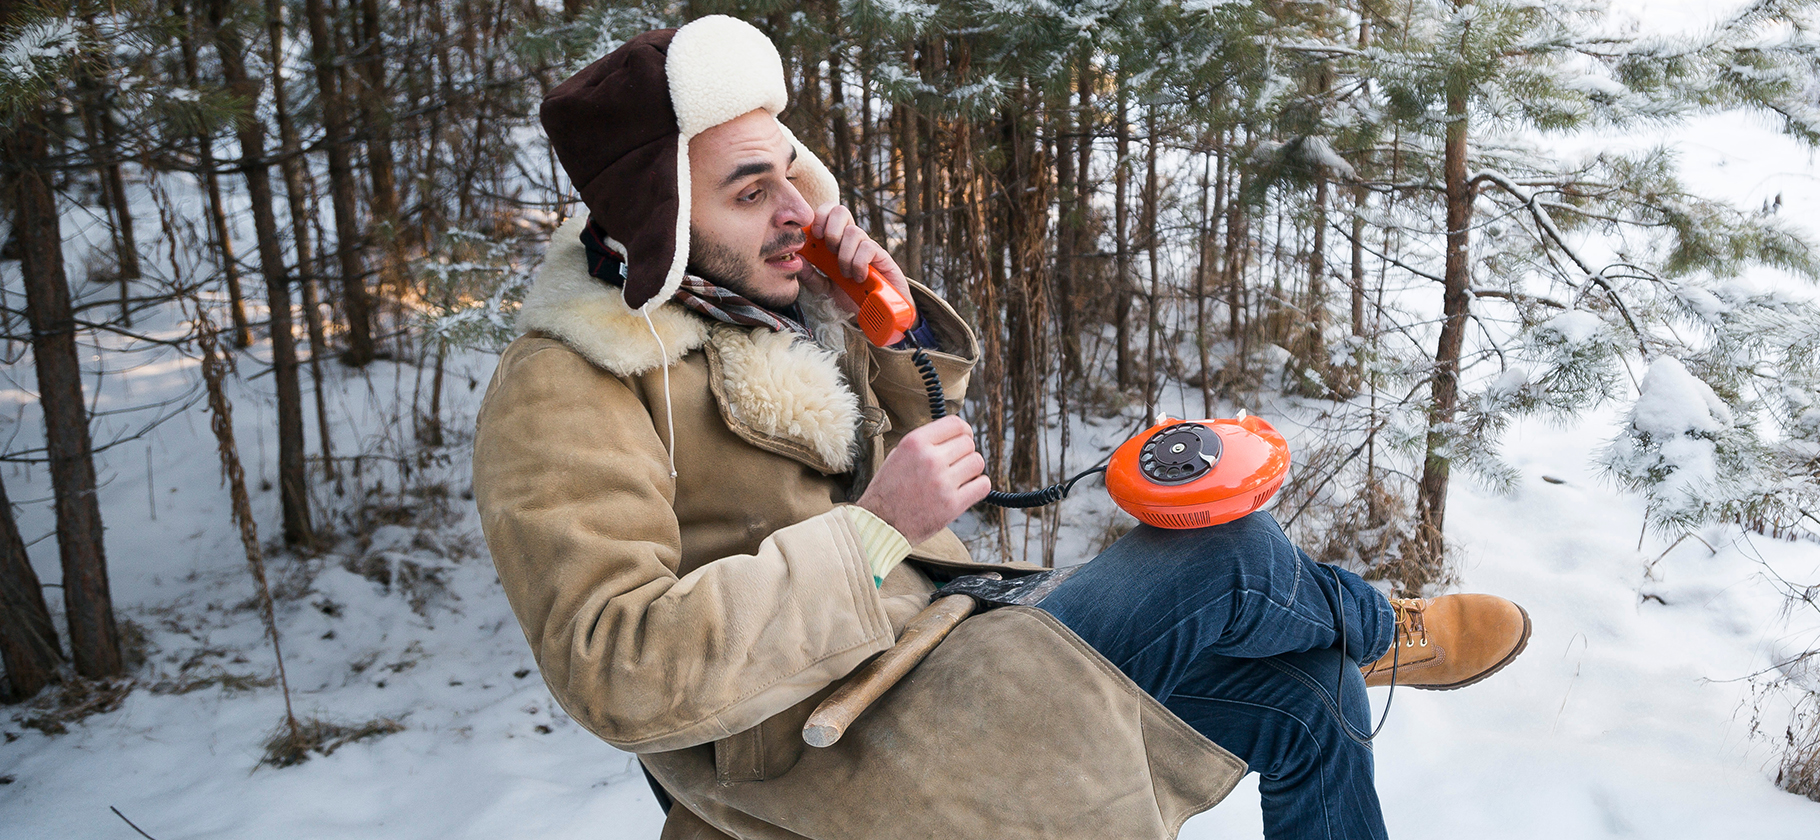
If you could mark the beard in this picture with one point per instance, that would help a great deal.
(726, 268)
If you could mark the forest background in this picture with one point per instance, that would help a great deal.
(1405, 227)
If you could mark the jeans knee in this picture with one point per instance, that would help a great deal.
(1344, 741)
(1255, 526)
(1318, 746)
(1243, 541)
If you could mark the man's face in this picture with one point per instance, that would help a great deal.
(746, 220)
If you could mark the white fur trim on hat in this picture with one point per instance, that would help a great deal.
(721, 68)
(813, 179)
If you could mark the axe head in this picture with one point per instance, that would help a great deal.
(1025, 590)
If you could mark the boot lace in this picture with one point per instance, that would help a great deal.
(1412, 630)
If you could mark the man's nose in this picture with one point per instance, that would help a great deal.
(794, 209)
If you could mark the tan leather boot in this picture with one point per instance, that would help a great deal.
(1450, 642)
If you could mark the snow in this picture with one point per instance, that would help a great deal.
(1594, 83)
(1204, 5)
(1809, 423)
(1318, 152)
(1673, 403)
(33, 43)
(484, 751)
(1625, 716)
(1508, 383)
(1674, 426)
(1629, 714)
(1575, 327)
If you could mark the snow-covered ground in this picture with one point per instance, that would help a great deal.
(1627, 716)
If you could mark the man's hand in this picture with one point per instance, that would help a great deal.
(932, 476)
(834, 225)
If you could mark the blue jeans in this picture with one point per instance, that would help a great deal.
(1236, 631)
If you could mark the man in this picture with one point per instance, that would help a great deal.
(710, 499)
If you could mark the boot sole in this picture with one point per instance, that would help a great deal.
(1521, 644)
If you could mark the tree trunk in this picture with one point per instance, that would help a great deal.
(868, 176)
(1153, 316)
(376, 123)
(1238, 251)
(1431, 499)
(99, 122)
(88, 606)
(297, 195)
(929, 157)
(1026, 307)
(217, 213)
(28, 640)
(1317, 263)
(356, 304)
(1203, 247)
(293, 478)
(914, 217)
(1359, 197)
(431, 434)
(1121, 281)
(224, 244)
(1317, 284)
(843, 133)
(1358, 261)
(1067, 256)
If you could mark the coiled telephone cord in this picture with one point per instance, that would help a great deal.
(938, 408)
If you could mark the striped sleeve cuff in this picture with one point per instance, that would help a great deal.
(883, 545)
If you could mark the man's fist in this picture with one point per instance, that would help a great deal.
(928, 480)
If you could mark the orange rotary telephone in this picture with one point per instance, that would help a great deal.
(1176, 474)
(1195, 473)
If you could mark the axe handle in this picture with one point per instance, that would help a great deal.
(847, 703)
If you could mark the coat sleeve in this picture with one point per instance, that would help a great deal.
(575, 497)
(899, 385)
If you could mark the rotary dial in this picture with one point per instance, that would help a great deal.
(1179, 454)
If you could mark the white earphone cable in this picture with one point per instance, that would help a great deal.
(663, 359)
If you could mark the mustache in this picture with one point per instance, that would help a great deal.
(786, 241)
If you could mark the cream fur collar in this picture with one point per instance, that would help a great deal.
(773, 384)
(593, 319)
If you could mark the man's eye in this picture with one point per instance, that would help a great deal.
(750, 197)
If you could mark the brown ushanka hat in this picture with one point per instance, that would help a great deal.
(621, 128)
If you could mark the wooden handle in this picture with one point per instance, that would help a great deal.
(847, 703)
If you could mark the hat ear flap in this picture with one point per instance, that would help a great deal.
(656, 213)
(678, 263)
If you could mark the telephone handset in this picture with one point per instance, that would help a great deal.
(884, 313)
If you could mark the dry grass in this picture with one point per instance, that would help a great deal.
(72, 700)
(289, 747)
(1800, 770)
(229, 683)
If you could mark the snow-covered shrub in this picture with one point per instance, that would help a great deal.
(1684, 450)
(1725, 426)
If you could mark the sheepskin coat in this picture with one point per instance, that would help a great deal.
(697, 618)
